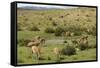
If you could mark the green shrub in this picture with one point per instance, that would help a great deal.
(49, 30)
(68, 50)
(59, 31)
(49, 58)
(34, 28)
(54, 23)
(78, 33)
(73, 28)
(65, 41)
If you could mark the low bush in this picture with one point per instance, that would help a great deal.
(49, 30)
(34, 28)
(59, 31)
(75, 29)
(65, 41)
(68, 50)
(54, 23)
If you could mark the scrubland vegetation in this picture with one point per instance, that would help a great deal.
(62, 28)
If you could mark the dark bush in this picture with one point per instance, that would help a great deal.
(26, 19)
(65, 41)
(34, 28)
(68, 50)
(49, 30)
(59, 31)
(54, 23)
(67, 14)
(49, 58)
(78, 33)
(50, 18)
(87, 15)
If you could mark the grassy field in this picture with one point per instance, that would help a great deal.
(25, 55)
(33, 23)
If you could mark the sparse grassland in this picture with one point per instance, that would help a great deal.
(45, 23)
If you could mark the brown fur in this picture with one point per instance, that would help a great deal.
(36, 50)
(35, 45)
(56, 52)
(71, 34)
(67, 33)
(83, 40)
